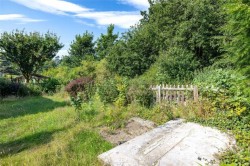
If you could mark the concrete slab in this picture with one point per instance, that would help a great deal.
(175, 143)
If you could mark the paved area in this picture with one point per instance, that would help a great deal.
(175, 143)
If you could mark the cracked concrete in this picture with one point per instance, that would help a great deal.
(175, 143)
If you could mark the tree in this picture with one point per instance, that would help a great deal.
(123, 61)
(81, 48)
(6, 67)
(105, 42)
(191, 24)
(176, 65)
(135, 52)
(237, 33)
(29, 51)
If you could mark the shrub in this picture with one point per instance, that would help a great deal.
(176, 65)
(64, 74)
(108, 91)
(84, 85)
(50, 85)
(228, 94)
(226, 89)
(4, 87)
(31, 89)
(139, 91)
(8, 88)
(80, 90)
(101, 72)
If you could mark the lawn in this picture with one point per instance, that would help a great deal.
(44, 131)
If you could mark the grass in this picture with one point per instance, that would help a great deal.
(46, 130)
(43, 131)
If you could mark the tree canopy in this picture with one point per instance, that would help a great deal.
(81, 48)
(6, 67)
(105, 42)
(237, 33)
(29, 51)
(191, 25)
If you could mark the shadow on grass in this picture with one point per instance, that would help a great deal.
(17, 146)
(27, 106)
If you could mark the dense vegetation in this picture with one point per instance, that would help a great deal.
(201, 42)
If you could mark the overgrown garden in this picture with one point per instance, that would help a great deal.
(106, 82)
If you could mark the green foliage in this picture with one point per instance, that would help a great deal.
(64, 74)
(228, 95)
(176, 65)
(8, 88)
(133, 54)
(81, 48)
(31, 89)
(108, 91)
(237, 33)
(29, 51)
(101, 72)
(182, 23)
(50, 85)
(114, 90)
(6, 67)
(139, 91)
(80, 90)
(105, 42)
(226, 88)
(169, 24)
(4, 87)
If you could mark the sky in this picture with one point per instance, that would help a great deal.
(68, 18)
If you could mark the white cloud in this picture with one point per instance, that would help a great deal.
(85, 23)
(53, 6)
(121, 19)
(139, 4)
(18, 17)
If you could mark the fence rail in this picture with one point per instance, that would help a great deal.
(175, 93)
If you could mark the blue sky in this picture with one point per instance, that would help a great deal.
(67, 18)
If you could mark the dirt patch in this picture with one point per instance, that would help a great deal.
(134, 127)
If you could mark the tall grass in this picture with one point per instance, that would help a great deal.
(43, 131)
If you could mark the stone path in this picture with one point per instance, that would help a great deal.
(175, 143)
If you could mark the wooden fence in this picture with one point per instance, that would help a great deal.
(172, 93)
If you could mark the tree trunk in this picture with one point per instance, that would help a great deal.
(27, 77)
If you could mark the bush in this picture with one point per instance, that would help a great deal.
(4, 87)
(101, 72)
(80, 90)
(65, 74)
(139, 91)
(176, 65)
(31, 89)
(108, 91)
(84, 85)
(228, 94)
(50, 85)
(8, 88)
(226, 89)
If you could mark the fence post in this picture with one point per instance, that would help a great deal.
(159, 93)
(178, 94)
(196, 95)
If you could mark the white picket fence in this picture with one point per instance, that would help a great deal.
(175, 93)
